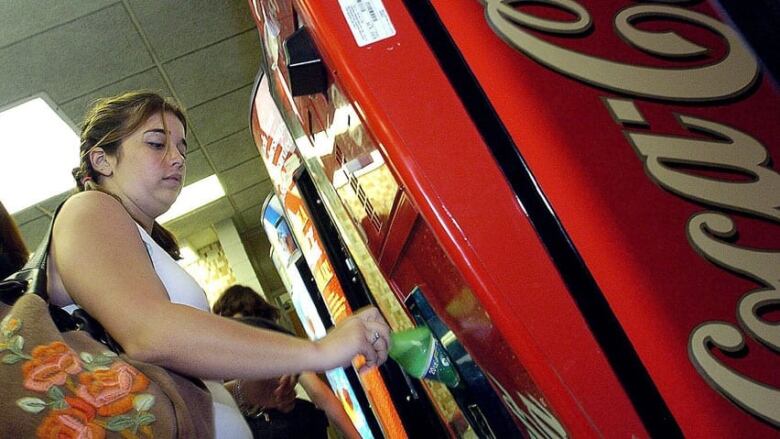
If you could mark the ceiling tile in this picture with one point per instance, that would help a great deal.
(242, 176)
(252, 195)
(17, 23)
(195, 221)
(195, 24)
(222, 116)
(48, 205)
(232, 150)
(197, 167)
(33, 231)
(202, 238)
(72, 59)
(51, 204)
(146, 80)
(27, 215)
(252, 217)
(239, 223)
(215, 70)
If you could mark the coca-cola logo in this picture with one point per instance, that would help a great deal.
(665, 157)
(722, 79)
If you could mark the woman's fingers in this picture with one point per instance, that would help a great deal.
(366, 333)
(285, 398)
(374, 321)
(379, 338)
(370, 364)
(285, 386)
(371, 314)
(381, 350)
(377, 334)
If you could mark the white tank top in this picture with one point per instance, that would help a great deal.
(183, 289)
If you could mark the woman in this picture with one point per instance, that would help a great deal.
(110, 257)
(274, 396)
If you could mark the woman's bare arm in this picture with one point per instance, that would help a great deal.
(105, 267)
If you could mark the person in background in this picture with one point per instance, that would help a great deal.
(13, 252)
(276, 397)
(111, 258)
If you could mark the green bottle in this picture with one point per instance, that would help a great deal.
(421, 356)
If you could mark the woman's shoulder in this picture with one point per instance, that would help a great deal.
(92, 198)
(93, 209)
(92, 202)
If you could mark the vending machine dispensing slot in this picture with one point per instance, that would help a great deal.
(473, 394)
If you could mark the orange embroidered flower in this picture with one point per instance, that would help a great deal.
(51, 364)
(111, 391)
(73, 422)
(10, 325)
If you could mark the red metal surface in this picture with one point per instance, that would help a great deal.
(481, 262)
(462, 213)
(631, 233)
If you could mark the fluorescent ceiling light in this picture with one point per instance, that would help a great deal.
(194, 196)
(38, 150)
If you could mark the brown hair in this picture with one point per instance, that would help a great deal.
(13, 252)
(239, 299)
(106, 124)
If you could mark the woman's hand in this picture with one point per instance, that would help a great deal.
(363, 333)
(274, 393)
(284, 394)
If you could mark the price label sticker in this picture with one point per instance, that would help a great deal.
(368, 20)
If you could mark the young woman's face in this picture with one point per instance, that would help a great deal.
(149, 167)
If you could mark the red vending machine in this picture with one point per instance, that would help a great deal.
(325, 287)
(580, 199)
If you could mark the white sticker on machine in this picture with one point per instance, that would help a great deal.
(368, 20)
